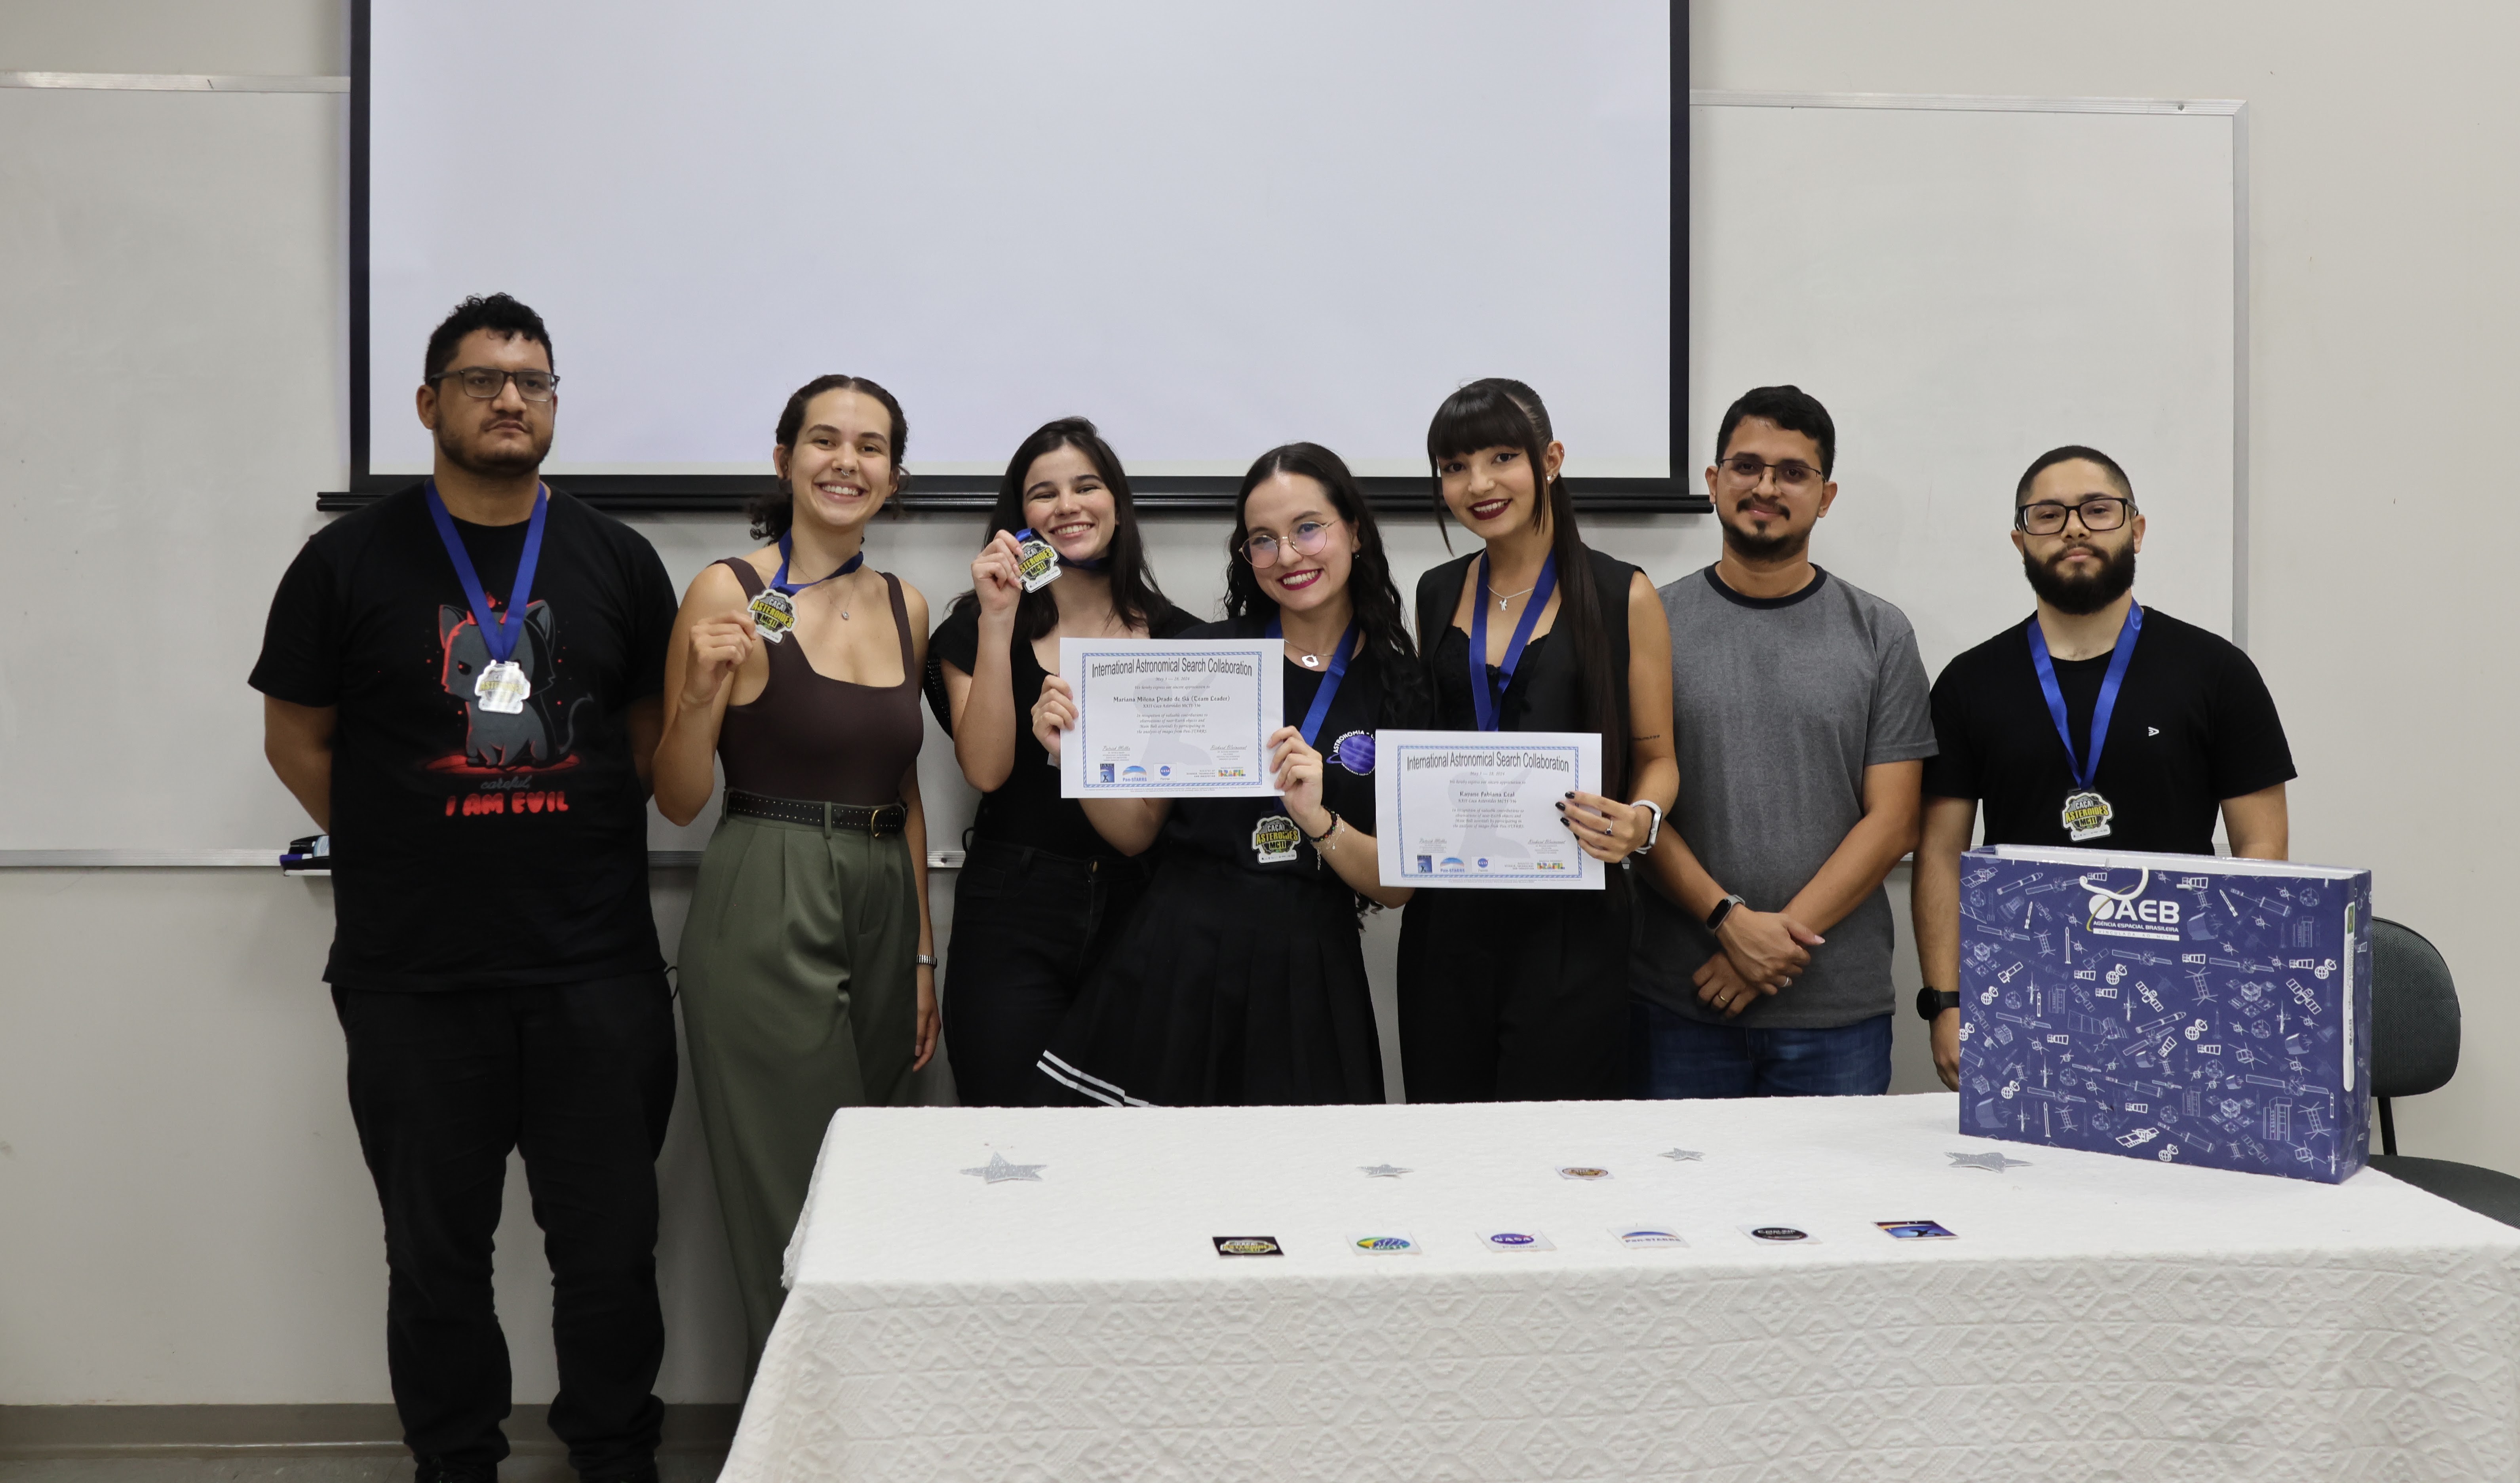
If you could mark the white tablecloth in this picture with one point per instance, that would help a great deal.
(2098, 1316)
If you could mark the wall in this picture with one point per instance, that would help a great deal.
(2381, 310)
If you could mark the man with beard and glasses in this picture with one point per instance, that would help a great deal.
(462, 685)
(2185, 724)
(1761, 962)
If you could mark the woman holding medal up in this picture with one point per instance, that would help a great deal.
(1516, 996)
(1041, 895)
(807, 971)
(1240, 979)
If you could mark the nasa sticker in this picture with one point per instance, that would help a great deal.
(774, 612)
(1247, 1245)
(1383, 1245)
(1274, 839)
(1515, 1240)
(1355, 752)
(502, 687)
(1036, 561)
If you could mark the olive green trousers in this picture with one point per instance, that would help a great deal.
(800, 997)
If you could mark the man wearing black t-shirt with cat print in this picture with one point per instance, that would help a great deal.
(2190, 728)
(461, 684)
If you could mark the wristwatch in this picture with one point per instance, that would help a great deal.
(1653, 831)
(1723, 909)
(1933, 1001)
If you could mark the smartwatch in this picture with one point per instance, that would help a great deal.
(1723, 909)
(1933, 1001)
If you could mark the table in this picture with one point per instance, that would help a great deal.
(2096, 1318)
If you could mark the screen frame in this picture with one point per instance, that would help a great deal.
(728, 494)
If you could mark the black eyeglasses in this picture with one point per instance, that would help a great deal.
(1309, 538)
(2101, 511)
(1791, 473)
(484, 383)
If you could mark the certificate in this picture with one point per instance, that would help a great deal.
(1171, 719)
(1471, 808)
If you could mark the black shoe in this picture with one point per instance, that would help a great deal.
(443, 1470)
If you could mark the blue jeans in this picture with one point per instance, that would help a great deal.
(1671, 1055)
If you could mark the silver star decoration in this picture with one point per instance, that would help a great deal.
(1988, 1160)
(1681, 1155)
(998, 1171)
(1382, 1171)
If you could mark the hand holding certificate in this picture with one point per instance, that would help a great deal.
(1481, 808)
(1170, 719)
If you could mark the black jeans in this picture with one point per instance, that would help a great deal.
(1027, 925)
(580, 1076)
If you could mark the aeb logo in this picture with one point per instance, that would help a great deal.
(2111, 908)
(2127, 913)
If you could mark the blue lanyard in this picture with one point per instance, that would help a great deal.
(787, 544)
(1484, 698)
(502, 640)
(2086, 768)
(1330, 678)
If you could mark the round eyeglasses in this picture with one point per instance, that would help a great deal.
(1309, 538)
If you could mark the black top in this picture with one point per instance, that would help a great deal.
(1238, 832)
(1025, 809)
(2193, 725)
(472, 849)
(1545, 691)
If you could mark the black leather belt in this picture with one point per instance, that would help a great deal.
(876, 819)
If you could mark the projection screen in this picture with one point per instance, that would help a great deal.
(1211, 228)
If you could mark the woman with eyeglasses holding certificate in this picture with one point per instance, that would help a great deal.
(1240, 979)
(808, 971)
(1512, 995)
(1040, 895)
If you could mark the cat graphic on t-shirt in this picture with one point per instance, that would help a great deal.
(538, 736)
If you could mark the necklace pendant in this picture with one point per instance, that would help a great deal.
(1310, 662)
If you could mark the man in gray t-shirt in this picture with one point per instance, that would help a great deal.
(1802, 717)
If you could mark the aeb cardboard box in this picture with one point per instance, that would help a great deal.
(2189, 1008)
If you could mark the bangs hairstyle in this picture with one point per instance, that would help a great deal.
(1497, 413)
(1371, 595)
(772, 512)
(1135, 596)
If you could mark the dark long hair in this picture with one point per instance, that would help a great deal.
(1371, 594)
(774, 510)
(1497, 413)
(1135, 599)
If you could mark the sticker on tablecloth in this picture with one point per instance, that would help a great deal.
(1781, 1236)
(1643, 1235)
(1583, 1171)
(1917, 1230)
(1515, 1240)
(1383, 1245)
(1247, 1245)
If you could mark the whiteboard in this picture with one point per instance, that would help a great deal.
(172, 398)
(1216, 228)
(1965, 284)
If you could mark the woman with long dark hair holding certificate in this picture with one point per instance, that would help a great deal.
(1512, 995)
(1240, 979)
(807, 969)
(1041, 894)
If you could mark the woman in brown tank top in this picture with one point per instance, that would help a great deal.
(808, 967)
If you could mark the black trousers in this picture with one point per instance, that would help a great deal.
(1027, 926)
(579, 1076)
(1516, 996)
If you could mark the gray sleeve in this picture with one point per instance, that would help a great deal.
(1902, 728)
